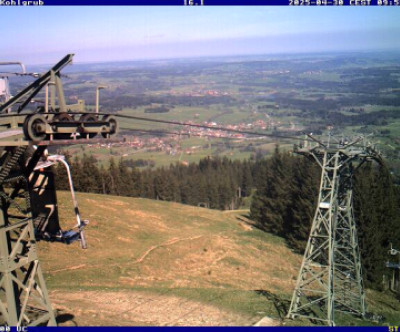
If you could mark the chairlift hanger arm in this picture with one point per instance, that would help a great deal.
(33, 89)
(10, 63)
(6, 73)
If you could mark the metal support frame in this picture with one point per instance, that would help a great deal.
(23, 295)
(24, 300)
(330, 277)
(24, 97)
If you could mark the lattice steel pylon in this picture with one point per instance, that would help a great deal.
(330, 277)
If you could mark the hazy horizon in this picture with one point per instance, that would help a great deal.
(110, 34)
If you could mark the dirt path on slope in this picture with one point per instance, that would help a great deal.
(136, 308)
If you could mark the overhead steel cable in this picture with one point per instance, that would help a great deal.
(171, 133)
(297, 138)
(237, 131)
(203, 126)
(194, 125)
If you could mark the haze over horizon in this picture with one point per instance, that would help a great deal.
(104, 34)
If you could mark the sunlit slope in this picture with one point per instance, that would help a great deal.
(161, 263)
(136, 244)
(142, 242)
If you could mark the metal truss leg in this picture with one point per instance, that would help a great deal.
(24, 300)
(349, 290)
(313, 296)
(21, 279)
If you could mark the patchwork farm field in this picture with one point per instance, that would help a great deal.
(347, 94)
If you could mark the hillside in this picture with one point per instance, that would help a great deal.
(160, 263)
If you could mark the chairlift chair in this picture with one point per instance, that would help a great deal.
(47, 226)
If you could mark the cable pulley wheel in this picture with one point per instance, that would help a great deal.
(63, 117)
(35, 127)
(113, 125)
(89, 118)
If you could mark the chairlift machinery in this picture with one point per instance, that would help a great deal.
(27, 192)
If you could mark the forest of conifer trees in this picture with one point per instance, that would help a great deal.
(282, 190)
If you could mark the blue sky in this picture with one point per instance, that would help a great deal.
(37, 35)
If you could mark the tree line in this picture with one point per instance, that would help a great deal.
(217, 183)
(283, 191)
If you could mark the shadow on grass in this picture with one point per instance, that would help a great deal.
(65, 319)
(245, 218)
(281, 306)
